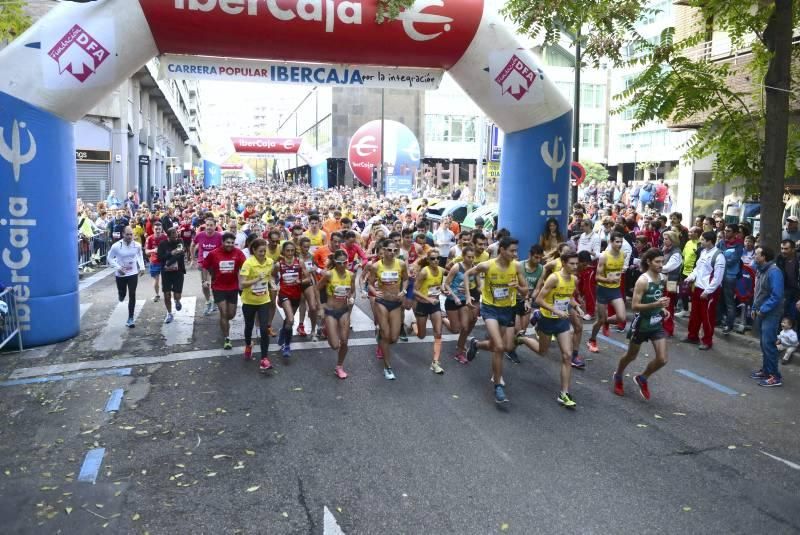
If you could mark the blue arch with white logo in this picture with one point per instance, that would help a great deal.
(38, 218)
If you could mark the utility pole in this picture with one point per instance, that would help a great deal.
(576, 113)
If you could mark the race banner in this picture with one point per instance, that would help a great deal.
(240, 70)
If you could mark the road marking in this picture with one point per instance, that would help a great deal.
(111, 338)
(180, 331)
(790, 464)
(91, 465)
(53, 378)
(115, 400)
(85, 308)
(24, 373)
(330, 526)
(360, 321)
(611, 341)
(94, 279)
(708, 382)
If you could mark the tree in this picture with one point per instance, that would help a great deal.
(13, 19)
(751, 141)
(648, 166)
(390, 9)
(595, 172)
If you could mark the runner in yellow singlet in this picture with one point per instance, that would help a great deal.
(609, 270)
(503, 278)
(317, 237)
(388, 278)
(555, 301)
(340, 286)
(427, 289)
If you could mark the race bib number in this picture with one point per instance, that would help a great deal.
(291, 278)
(171, 267)
(227, 266)
(561, 305)
(128, 266)
(309, 265)
(655, 320)
(390, 277)
(434, 291)
(205, 254)
(672, 286)
(260, 288)
(501, 293)
(340, 292)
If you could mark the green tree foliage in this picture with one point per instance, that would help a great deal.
(595, 172)
(747, 131)
(13, 19)
(390, 9)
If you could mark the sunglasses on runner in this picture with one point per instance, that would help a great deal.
(391, 250)
(340, 261)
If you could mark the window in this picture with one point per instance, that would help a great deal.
(449, 129)
(593, 96)
(591, 136)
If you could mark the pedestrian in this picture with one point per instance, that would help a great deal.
(609, 275)
(171, 256)
(792, 229)
(292, 275)
(459, 315)
(789, 263)
(650, 306)
(204, 243)
(672, 265)
(427, 290)
(707, 277)
(340, 285)
(732, 246)
(388, 283)
(254, 279)
(787, 340)
(589, 241)
(126, 258)
(767, 311)
(223, 266)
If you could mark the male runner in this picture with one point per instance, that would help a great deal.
(223, 265)
(205, 242)
(609, 272)
(125, 256)
(151, 249)
(171, 255)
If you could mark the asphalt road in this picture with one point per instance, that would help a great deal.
(203, 443)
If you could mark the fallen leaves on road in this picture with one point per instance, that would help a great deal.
(686, 509)
(297, 389)
(658, 417)
(135, 517)
(285, 514)
(679, 413)
(249, 452)
(68, 510)
(641, 425)
(503, 527)
(222, 456)
(253, 489)
(731, 447)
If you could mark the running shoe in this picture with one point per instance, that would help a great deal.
(592, 345)
(130, 324)
(378, 352)
(388, 373)
(606, 330)
(512, 356)
(301, 330)
(248, 352)
(758, 375)
(340, 373)
(772, 380)
(535, 317)
(620, 328)
(436, 368)
(472, 348)
(209, 309)
(500, 394)
(178, 306)
(156, 298)
(641, 382)
(682, 314)
(502, 381)
(315, 337)
(227, 344)
(265, 364)
(578, 362)
(565, 399)
(286, 351)
(214, 307)
(403, 334)
(168, 319)
(461, 357)
(588, 317)
(619, 389)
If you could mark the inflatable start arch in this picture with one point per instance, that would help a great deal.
(79, 52)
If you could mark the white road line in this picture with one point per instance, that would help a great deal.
(111, 337)
(180, 331)
(360, 322)
(790, 464)
(330, 526)
(85, 308)
(94, 279)
(23, 373)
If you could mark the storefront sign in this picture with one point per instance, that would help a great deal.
(99, 156)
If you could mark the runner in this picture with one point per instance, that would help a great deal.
(503, 279)
(291, 274)
(340, 286)
(426, 291)
(650, 304)
(205, 242)
(555, 300)
(125, 256)
(317, 237)
(172, 256)
(388, 280)
(254, 279)
(308, 302)
(456, 286)
(609, 272)
(533, 269)
(223, 265)
(151, 249)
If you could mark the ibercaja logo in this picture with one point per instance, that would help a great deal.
(78, 53)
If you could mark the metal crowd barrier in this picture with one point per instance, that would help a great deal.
(92, 251)
(9, 321)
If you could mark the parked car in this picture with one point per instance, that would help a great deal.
(458, 210)
(488, 212)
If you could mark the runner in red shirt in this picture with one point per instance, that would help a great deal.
(205, 242)
(151, 249)
(186, 235)
(223, 264)
(292, 274)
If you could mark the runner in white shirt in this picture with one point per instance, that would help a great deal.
(126, 258)
(589, 240)
(444, 240)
